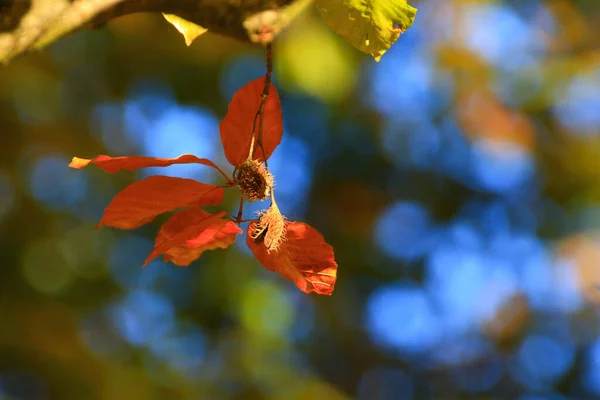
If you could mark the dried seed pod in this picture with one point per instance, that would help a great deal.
(270, 228)
(254, 180)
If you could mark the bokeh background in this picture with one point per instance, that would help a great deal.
(458, 181)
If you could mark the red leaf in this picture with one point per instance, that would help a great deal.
(196, 223)
(140, 202)
(188, 238)
(131, 163)
(236, 127)
(304, 258)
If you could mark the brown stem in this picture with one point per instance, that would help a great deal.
(260, 113)
(227, 185)
(233, 175)
(238, 219)
(230, 181)
(263, 100)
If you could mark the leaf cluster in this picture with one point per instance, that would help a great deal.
(250, 133)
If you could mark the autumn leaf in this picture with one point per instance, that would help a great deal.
(236, 127)
(131, 163)
(371, 26)
(189, 30)
(140, 202)
(304, 258)
(188, 233)
(190, 239)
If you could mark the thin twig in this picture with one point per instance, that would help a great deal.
(263, 102)
(260, 113)
(238, 219)
(230, 181)
(227, 185)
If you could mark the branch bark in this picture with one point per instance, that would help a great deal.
(33, 24)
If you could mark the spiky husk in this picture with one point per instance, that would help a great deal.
(254, 180)
(270, 228)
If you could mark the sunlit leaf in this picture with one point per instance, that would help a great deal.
(189, 30)
(304, 258)
(236, 127)
(189, 239)
(196, 226)
(131, 163)
(140, 202)
(371, 26)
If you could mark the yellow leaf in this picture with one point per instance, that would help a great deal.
(371, 26)
(189, 30)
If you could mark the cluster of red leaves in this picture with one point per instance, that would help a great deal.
(302, 256)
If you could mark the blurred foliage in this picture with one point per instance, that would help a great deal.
(458, 180)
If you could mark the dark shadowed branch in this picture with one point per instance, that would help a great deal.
(33, 24)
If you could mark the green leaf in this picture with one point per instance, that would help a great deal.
(371, 26)
(189, 30)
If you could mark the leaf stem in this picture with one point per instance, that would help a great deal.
(230, 181)
(227, 185)
(245, 221)
(238, 219)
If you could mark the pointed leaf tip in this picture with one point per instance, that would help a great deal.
(303, 257)
(79, 163)
(189, 30)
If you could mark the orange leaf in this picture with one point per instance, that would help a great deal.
(236, 127)
(179, 231)
(131, 163)
(304, 258)
(140, 202)
(189, 240)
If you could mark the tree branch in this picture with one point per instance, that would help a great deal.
(33, 24)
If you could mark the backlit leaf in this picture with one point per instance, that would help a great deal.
(131, 163)
(189, 30)
(187, 225)
(140, 202)
(304, 258)
(190, 239)
(371, 26)
(236, 127)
